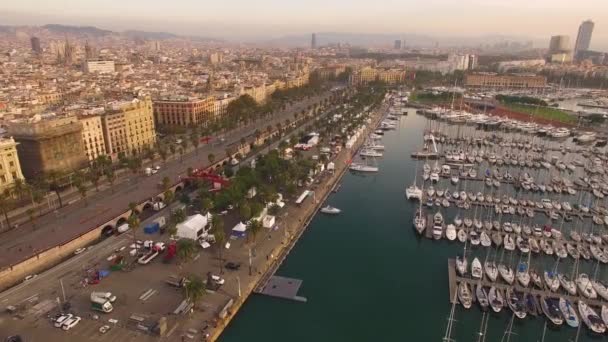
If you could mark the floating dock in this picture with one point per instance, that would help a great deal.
(282, 287)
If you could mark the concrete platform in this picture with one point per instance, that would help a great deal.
(282, 287)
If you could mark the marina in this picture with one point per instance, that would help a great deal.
(364, 223)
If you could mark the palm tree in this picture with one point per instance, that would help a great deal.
(220, 239)
(168, 197)
(245, 211)
(19, 188)
(186, 248)
(166, 183)
(134, 222)
(6, 204)
(211, 158)
(53, 178)
(206, 204)
(255, 227)
(94, 175)
(110, 176)
(194, 139)
(78, 181)
(195, 288)
(132, 207)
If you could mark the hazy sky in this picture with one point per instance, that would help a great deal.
(272, 18)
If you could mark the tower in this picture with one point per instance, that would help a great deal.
(313, 41)
(36, 45)
(583, 39)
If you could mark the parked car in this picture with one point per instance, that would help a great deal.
(79, 250)
(72, 322)
(234, 266)
(30, 277)
(62, 319)
(104, 329)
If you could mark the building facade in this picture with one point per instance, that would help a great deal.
(102, 67)
(369, 74)
(92, 136)
(559, 44)
(128, 127)
(492, 80)
(10, 168)
(49, 145)
(184, 110)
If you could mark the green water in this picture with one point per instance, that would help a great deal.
(368, 277)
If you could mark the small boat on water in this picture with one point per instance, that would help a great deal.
(600, 288)
(482, 297)
(522, 274)
(585, 286)
(491, 270)
(567, 284)
(591, 319)
(496, 299)
(476, 269)
(532, 306)
(506, 273)
(437, 226)
(550, 307)
(330, 210)
(551, 281)
(568, 312)
(464, 295)
(516, 303)
(537, 280)
(461, 265)
(450, 232)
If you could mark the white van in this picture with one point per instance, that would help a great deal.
(62, 319)
(69, 324)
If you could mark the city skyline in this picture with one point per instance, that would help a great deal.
(248, 21)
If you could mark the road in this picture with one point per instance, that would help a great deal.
(77, 218)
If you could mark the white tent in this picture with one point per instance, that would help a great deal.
(239, 230)
(268, 221)
(194, 226)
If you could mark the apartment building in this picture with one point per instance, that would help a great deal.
(492, 80)
(10, 168)
(128, 126)
(92, 136)
(184, 110)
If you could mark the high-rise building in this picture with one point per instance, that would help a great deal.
(398, 44)
(559, 44)
(313, 41)
(36, 45)
(472, 62)
(49, 145)
(583, 39)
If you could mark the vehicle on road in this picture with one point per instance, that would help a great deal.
(72, 322)
(217, 279)
(79, 250)
(104, 329)
(30, 277)
(233, 266)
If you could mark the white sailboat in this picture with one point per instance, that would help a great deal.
(476, 269)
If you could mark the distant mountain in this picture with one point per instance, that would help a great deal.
(84, 30)
(91, 31)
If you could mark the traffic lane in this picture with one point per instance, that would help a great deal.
(51, 230)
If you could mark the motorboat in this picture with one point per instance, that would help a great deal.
(491, 270)
(482, 297)
(591, 319)
(464, 295)
(516, 303)
(509, 243)
(585, 286)
(330, 210)
(496, 299)
(550, 307)
(497, 239)
(474, 236)
(485, 239)
(568, 312)
(450, 232)
(437, 226)
(506, 273)
(537, 280)
(458, 221)
(363, 168)
(368, 152)
(468, 222)
(476, 269)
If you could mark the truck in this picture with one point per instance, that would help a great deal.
(156, 225)
(101, 303)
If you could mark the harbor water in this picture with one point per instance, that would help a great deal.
(368, 276)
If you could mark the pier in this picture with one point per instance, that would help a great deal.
(454, 279)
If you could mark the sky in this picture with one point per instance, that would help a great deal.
(247, 19)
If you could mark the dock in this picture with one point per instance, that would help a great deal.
(282, 287)
(454, 280)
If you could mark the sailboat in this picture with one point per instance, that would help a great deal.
(450, 232)
(464, 295)
(491, 270)
(568, 312)
(550, 307)
(420, 220)
(585, 286)
(496, 299)
(360, 167)
(506, 273)
(476, 269)
(461, 264)
(522, 274)
(516, 303)
(591, 319)
(437, 226)
(482, 297)
(413, 192)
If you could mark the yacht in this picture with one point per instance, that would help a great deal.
(567, 284)
(370, 153)
(450, 232)
(363, 168)
(516, 303)
(522, 274)
(437, 226)
(482, 297)
(491, 270)
(330, 210)
(506, 273)
(462, 235)
(551, 281)
(585, 286)
(591, 319)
